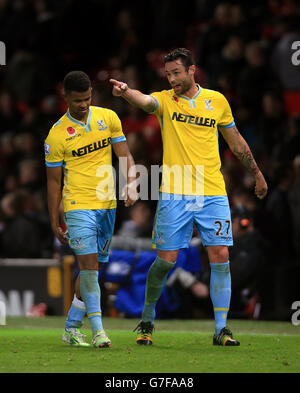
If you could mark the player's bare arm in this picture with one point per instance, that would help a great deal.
(54, 177)
(241, 150)
(130, 192)
(133, 97)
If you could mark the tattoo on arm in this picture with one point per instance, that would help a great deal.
(247, 159)
(243, 153)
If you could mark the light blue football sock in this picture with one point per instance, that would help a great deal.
(90, 294)
(76, 314)
(156, 279)
(220, 293)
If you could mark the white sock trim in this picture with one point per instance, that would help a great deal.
(78, 304)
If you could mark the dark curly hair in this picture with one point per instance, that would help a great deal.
(76, 81)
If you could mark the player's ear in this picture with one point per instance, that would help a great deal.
(67, 96)
(192, 69)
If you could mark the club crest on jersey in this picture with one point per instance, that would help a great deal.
(160, 239)
(47, 149)
(77, 243)
(71, 131)
(208, 105)
(175, 99)
(101, 125)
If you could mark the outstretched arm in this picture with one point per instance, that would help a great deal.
(133, 97)
(241, 150)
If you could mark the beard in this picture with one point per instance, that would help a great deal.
(185, 86)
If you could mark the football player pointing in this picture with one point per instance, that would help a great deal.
(190, 118)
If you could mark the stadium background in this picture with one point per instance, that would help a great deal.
(242, 50)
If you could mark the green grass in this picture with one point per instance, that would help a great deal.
(33, 345)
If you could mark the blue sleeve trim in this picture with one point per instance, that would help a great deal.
(56, 124)
(54, 164)
(118, 139)
(228, 125)
(157, 104)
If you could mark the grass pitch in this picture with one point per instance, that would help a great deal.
(33, 345)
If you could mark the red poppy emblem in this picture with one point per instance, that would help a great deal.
(71, 131)
(175, 98)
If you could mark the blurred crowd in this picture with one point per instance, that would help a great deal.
(241, 49)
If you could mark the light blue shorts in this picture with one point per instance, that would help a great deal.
(90, 231)
(177, 214)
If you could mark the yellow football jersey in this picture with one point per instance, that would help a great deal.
(189, 127)
(84, 152)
